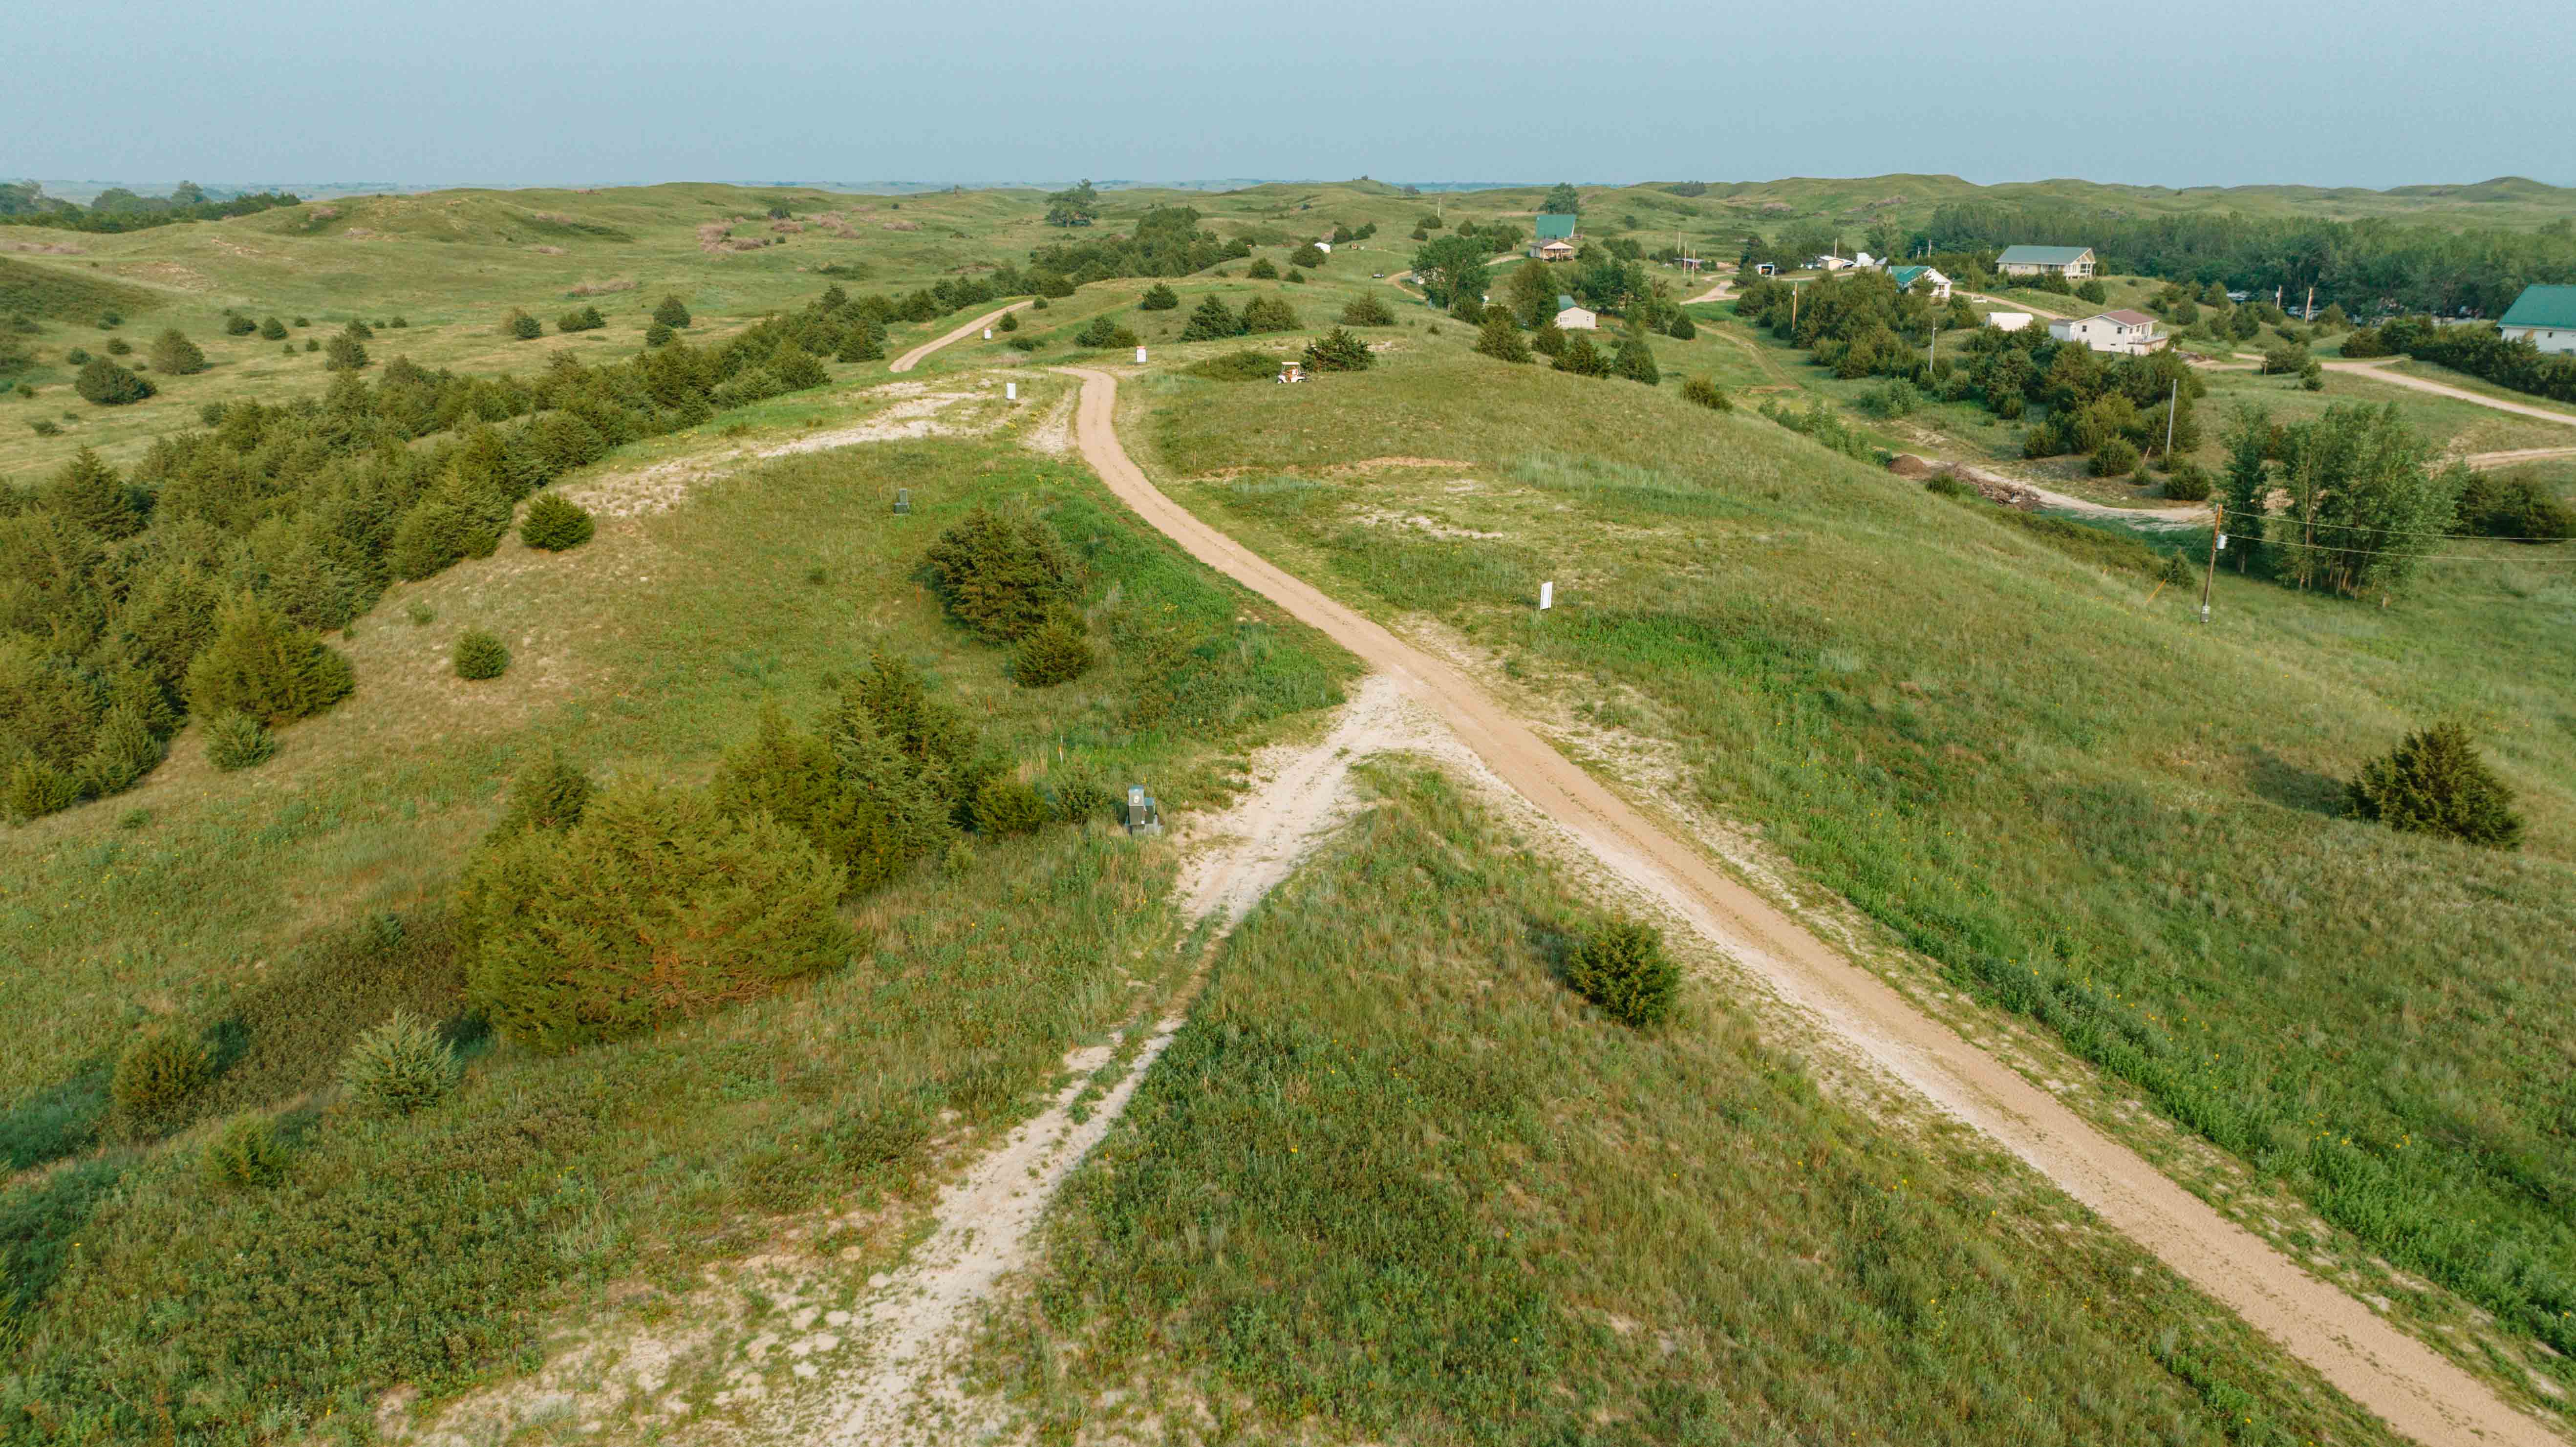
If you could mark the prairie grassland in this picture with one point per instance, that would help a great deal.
(1394, 1181)
(2050, 780)
(281, 910)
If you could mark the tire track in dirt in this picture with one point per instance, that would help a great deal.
(913, 358)
(2420, 1393)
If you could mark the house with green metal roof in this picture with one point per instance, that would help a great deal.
(1906, 276)
(2072, 262)
(2545, 314)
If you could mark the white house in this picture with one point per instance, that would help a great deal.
(1906, 276)
(2127, 332)
(1572, 318)
(2545, 314)
(2008, 321)
(2072, 262)
(1831, 262)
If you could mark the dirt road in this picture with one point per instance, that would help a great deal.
(912, 359)
(2419, 1392)
(2015, 306)
(2380, 371)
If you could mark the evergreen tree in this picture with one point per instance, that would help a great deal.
(555, 524)
(521, 326)
(1054, 652)
(1212, 321)
(660, 334)
(1158, 298)
(343, 353)
(272, 329)
(672, 313)
(1636, 361)
(123, 750)
(175, 356)
(1622, 968)
(109, 385)
(1499, 339)
(480, 655)
(1002, 574)
(1338, 351)
(1267, 314)
(1261, 270)
(2436, 783)
(87, 491)
(548, 794)
(1682, 328)
(864, 343)
(259, 663)
(1309, 257)
(1580, 357)
(656, 905)
(1367, 310)
(236, 741)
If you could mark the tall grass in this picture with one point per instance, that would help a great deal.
(432, 1248)
(2082, 805)
(1395, 1181)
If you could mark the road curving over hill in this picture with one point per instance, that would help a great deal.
(912, 359)
(2419, 1393)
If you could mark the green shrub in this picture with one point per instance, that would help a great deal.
(343, 353)
(1636, 362)
(158, 1075)
(1499, 339)
(555, 523)
(262, 665)
(2178, 571)
(1002, 574)
(861, 343)
(2114, 458)
(312, 344)
(236, 741)
(1158, 298)
(76, 356)
(658, 335)
(2519, 508)
(1367, 310)
(2435, 782)
(119, 347)
(848, 791)
(521, 326)
(2093, 291)
(110, 320)
(1703, 392)
(399, 1067)
(1309, 256)
(1004, 807)
(1082, 801)
(1681, 327)
(247, 1153)
(548, 794)
(1581, 358)
(1622, 968)
(35, 788)
(480, 655)
(657, 905)
(1212, 321)
(1261, 270)
(109, 385)
(237, 325)
(1104, 331)
(1338, 351)
(581, 319)
(2189, 482)
(1054, 652)
(1243, 366)
(672, 312)
(272, 329)
(1894, 397)
(358, 331)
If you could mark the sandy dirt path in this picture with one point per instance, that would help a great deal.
(2015, 306)
(2420, 1393)
(905, 1394)
(2379, 370)
(2517, 456)
(912, 359)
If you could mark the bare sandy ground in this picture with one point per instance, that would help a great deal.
(2420, 1393)
(912, 359)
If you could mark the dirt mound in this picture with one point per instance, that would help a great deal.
(1990, 487)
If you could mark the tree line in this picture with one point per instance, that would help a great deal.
(24, 203)
(275, 524)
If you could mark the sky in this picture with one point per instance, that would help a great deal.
(2192, 92)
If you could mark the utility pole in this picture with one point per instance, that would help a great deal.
(2173, 404)
(2217, 536)
(2312, 303)
(1936, 345)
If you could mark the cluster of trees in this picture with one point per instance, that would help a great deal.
(2367, 267)
(1214, 320)
(2360, 503)
(1076, 205)
(24, 203)
(299, 516)
(2480, 351)
(1166, 241)
(2114, 409)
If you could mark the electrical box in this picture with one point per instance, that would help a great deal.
(903, 499)
(1142, 816)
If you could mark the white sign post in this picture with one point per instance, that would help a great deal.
(988, 334)
(1546, 596)
(1010, 391)
(1140, 356)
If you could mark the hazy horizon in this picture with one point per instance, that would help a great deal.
(2372, 94)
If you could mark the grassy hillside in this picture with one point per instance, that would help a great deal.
(2050, 779)
(1395, 1182)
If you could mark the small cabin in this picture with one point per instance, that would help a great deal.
(1572, 318)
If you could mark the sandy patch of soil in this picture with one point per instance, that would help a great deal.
(915, 413)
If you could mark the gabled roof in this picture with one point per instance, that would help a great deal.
(1564, 302)
(1554, 227)
(2542, 306)
(1557, 244)
(1906, 276)
(2042, 255)
(2129, 318)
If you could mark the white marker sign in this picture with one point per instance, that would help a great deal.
(1140, 356)
(1010, 391)
(1546, 596)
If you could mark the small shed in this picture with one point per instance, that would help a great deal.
(1906, 276)
(1572, 318)
(2008, 321)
